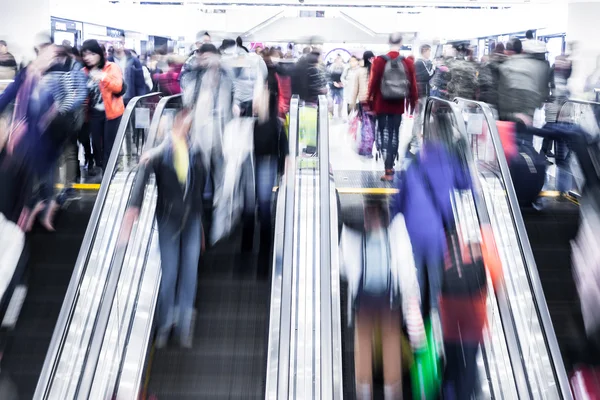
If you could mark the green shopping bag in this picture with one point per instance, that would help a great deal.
(426, 371)
(308, 128)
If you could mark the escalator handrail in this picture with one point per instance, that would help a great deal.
(327, 375)
(68, 307)
(512, 342)
(575, 101)
(102, 320)
(285, 322)
(529, 260)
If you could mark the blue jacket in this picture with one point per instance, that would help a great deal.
(425, 215)
(133, 77)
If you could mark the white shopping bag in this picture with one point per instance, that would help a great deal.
(12, 241)
(231, 195)
(405, 136)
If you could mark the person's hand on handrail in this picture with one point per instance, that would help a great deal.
(131, 215)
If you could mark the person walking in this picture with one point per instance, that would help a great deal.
(392, 86)
(131, 69)
(424, 71)
(105, 86)
(180, 177)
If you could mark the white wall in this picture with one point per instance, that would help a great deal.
(583, 28)
(165, 20)
(465, 24)
(20, 21)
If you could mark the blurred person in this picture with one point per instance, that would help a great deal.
(270, 151)
(309, 80)
(392, 87)
(489, 76)
(559, 94)
(289, 54)
(455, 303)
(424, 70)
(366, 264)
(131, 69)
(105, 88)
(47, 96)
(349, 82)
(240, 44)
(258, 50)
(336, 86)
(359, 92)
(534, 47)
(249, 71)
(524, 83)
(441, 78)
(524, 88)
(146, 71)
(73, 64)
(8, 64)
(181, 175)
(463, 75)
(168, 82)
(208, 89)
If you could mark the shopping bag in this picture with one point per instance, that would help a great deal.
(11, 247)
(507, 132)
(236, 191)
(308, 128)
(367, 135)
(426, 371)
(353, 126)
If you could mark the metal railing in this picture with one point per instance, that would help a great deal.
(280, 322)
(541, 360)
(331, 368)
(89, 377)
(73, 292)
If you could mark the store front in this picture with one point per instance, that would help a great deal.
(65, 31)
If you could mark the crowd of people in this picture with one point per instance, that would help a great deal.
(69, 97)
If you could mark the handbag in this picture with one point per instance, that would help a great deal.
(11, 247)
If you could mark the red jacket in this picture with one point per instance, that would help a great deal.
(379, 104)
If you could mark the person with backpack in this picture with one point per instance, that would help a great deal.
(392, 87)
(463, 75)
(376, 262)
(523, 88)
(105, 88)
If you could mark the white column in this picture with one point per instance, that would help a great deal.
(583, 28)
(20, 22)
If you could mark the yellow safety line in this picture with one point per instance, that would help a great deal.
(81, 186)
(378, 191)
(549, 193)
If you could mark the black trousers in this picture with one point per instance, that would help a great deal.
(103, 133)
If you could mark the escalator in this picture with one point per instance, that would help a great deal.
(66, 266)
(519, 356)
(228, 354)
(550, 231)
(52, 259)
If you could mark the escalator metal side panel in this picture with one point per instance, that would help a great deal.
(535, 332)
(276, 295)
(117, 335)
(330, 318)
(335, 293)
(80, 331)
(74, 291)
(135, 360)
(95, 369)
(450, 127)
